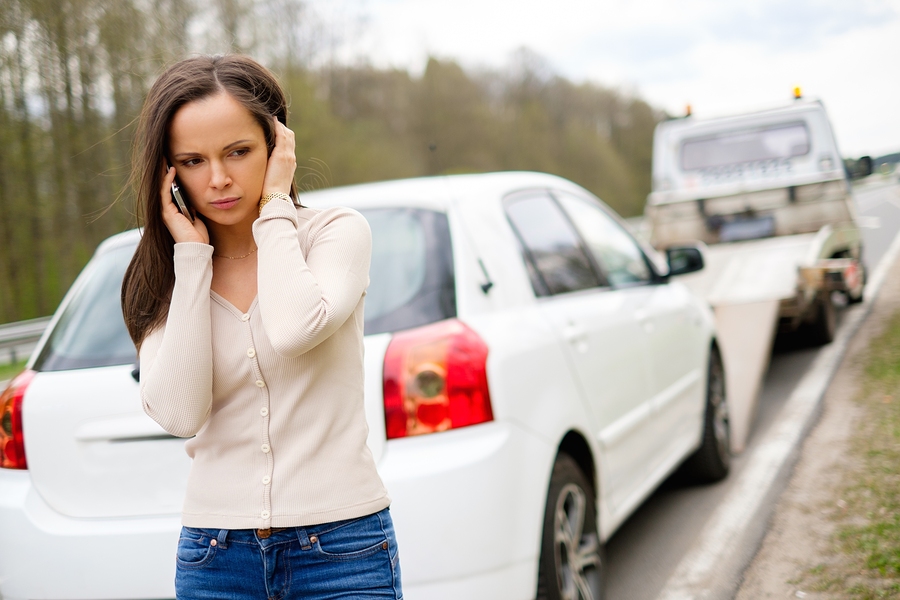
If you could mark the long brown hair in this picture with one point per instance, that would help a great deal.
(148, 282)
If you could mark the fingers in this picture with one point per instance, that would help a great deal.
(165, 194)
(282, 162)
(179, 226)
(284, 139)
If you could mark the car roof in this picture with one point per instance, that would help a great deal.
(436, 193)
(693, 125)
(126, 238)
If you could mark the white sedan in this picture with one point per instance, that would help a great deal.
(532, 374)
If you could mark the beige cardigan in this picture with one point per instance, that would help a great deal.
(273, 397)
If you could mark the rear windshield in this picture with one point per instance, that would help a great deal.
(411, 284)
(411, 280)
(774, 143)
(91, 331)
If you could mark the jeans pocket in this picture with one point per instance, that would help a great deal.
(195, 548)
(353, 540)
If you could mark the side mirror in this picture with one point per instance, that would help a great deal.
(859, 168)
(684, 259)
(864, 166)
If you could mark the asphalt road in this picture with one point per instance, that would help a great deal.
(645, 551)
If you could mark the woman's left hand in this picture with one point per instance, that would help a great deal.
(282, 162)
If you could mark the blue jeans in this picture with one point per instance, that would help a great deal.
(356, 558)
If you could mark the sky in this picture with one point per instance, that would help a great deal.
(718, 56)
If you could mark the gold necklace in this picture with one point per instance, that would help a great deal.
(236, 257)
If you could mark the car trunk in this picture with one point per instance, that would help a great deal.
(91, 450)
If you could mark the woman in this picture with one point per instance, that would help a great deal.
(249, 325)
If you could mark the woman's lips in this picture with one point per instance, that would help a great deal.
(224, 203)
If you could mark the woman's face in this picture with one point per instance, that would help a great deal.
(219, 153)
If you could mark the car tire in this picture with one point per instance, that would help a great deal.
(821, 330)
(572, 565)
(712, 460)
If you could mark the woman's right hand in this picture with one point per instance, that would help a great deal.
(181, 228)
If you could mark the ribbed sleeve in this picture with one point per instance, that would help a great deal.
(176, 360)
(305, 299)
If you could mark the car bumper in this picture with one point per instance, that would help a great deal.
(467, 507)
(44, 554)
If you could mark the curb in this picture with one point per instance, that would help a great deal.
(714, 567)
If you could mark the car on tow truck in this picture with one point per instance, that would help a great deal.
(533, 372)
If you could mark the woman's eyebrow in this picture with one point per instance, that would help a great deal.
(237, 143)
(231, 145)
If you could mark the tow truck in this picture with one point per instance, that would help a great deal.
(767, 196)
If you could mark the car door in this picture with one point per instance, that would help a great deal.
(601, 332)
(670, 322)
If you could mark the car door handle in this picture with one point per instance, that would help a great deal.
(577, 336)
(644, 320)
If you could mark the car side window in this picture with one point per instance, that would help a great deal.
(617, 253)
(556, 259)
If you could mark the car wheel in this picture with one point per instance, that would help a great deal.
(572, 564)
(712, 460)
(821, 331)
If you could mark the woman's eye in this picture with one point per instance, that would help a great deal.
(191, 162)
(240, 152)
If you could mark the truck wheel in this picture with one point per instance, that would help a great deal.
(851, 299)
(573, 563)
(821, 331)
(712, 460)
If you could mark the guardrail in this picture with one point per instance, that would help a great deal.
(19, 334)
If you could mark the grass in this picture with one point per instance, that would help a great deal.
(866, 565)
(9, 371)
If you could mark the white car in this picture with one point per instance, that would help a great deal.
(532, 374)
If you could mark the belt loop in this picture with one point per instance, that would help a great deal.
(305, 544)
(220, 539)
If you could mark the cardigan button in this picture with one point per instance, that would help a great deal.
(260, 383)
(245, 317)
(265, 448)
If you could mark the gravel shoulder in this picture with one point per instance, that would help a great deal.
(800, 539)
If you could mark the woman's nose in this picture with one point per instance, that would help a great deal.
(219, 176)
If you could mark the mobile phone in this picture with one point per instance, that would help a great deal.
(178, 198)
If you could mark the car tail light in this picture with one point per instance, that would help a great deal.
(435, 379)
(12, 438)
